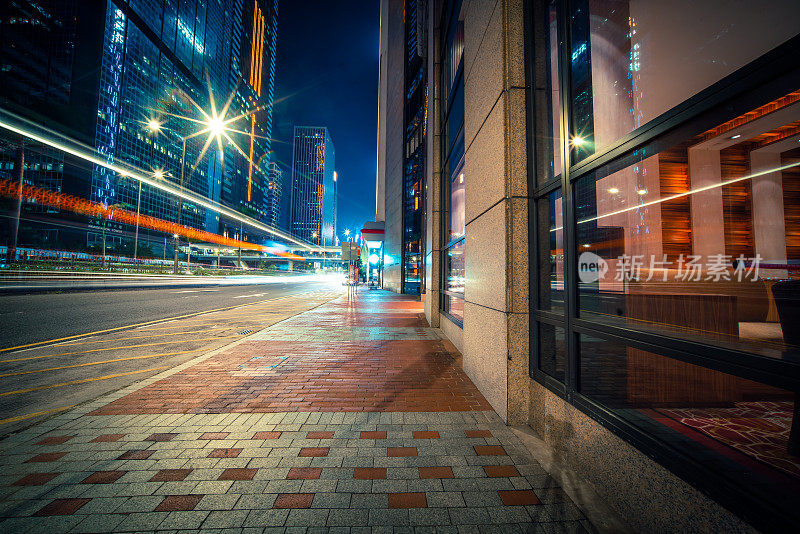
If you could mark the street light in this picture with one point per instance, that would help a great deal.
(153, 125)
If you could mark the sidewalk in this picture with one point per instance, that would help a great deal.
(354, 414)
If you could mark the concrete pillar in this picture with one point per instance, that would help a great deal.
(708, 223)
(769, 227)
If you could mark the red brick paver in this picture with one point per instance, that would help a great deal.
(47, 457)
(407, 500)
(478, 433)
(373, 434)
(489, 450)
(518, 497)
(426, 434)
(314, 451)
(267, 435)
(304, 473)
(171, 475)
(225, 453)
(401, 451)
(62, 507)
(369, 473)
(294, 500)
(178, 503)
(214, 435)
(435, 472)
(501, 471)
(36, 479)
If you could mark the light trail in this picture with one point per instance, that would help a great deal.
(135, 337)
(87, 154)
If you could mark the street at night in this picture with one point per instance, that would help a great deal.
(399, 266)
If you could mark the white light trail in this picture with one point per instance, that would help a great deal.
(87, 154)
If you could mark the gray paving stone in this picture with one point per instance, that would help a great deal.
(445, 499)
(388, 517)
(429, 516)
(348, 517)
(307, 517)
(225, 519)
(218, 502)
(256, 501)
(184, 520)
(142, 521)
(266, 518)
(469, 516)
(331, 500)
(369, 500)
(508, 514)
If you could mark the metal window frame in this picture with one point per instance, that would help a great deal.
(773, 74)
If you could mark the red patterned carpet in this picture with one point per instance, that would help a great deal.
(759, 430)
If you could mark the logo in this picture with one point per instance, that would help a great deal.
(591, 267)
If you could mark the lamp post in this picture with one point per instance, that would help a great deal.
(155, 127)
(215, 125)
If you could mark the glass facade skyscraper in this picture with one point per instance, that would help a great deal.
(274, 195)
(153, 60)
(313, 193)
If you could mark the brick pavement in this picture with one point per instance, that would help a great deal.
(353, 417)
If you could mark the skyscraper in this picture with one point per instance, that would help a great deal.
(151, 61)
(313, 185)
(274, 195)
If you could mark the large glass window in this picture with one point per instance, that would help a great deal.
(452, 106)
(633, 60)
(697, 240)
(667, 268)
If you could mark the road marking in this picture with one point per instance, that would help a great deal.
(136, 337)
(81, 381)
(34, 414)
(149, 328)
(155, 321)
(20, 373)
(249, 296)
(113, 348)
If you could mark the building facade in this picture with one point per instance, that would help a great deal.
(274, 195)
(312, 204)
(610, 237)
(153, 62)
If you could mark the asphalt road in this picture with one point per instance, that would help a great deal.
(147, 331)
(33, 318)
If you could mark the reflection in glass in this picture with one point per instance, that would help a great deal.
(701, 239)
(551, 252)
(454, 270)
(634, 60)
(736, 427)
(456, 211)
(547, 97)
(552, 351)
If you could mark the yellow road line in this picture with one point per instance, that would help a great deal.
(177, 326)
(135, 337)
(34, 414)
(114, 348)
(195, 314)
(82, 381)
(20, 373)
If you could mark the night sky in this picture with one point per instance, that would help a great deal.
(327, 75)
